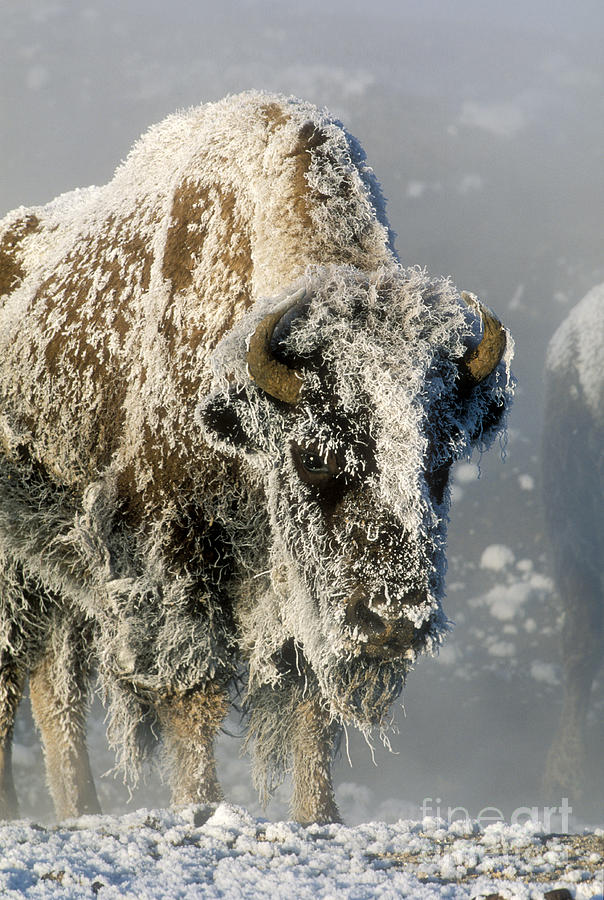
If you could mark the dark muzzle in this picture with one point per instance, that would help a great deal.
(388, 632)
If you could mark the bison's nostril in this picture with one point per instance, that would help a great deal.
(358, 614)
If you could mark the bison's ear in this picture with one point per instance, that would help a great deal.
(220, 417)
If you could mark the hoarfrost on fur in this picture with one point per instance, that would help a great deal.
(576, 349)
(114, 488)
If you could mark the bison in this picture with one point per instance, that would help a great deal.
(573, 496)
(227, 419)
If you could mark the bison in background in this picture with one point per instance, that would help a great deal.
(227, 418)
(573, 497)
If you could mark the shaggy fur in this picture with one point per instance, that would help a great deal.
(153, 491)
(573, 483)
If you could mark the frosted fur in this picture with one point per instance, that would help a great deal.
(390, 341)
(576, 349)
(573, 500)
(193, 551)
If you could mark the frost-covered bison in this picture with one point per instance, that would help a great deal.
(573, 481)
(227, 419)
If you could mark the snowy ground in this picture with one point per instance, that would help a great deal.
(484, 125)
(226, 853)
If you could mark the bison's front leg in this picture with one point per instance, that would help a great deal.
(583, 654)
(59, 699)
(313, 741)
(11, 689)
(189, 725)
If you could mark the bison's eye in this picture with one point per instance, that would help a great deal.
(313, 463)
(312, 466)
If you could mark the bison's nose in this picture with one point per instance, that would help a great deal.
(358, 615)
(362, 612)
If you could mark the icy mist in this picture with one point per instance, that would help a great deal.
(486, 129)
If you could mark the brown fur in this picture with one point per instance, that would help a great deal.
(313, 798)
(106, 358)
(11, 689)
(81, 314)
(274, 116)
(62, 724)
(11, 270)
(309, 139)
(184, 246)
(186, 236)
(190, 723)
(95, 254)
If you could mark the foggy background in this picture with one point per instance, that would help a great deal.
(484, 123)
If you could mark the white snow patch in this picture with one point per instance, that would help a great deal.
(466, 472)
(416, 189)
(502, 649)
(545, 672)
(311, 80)
(504, 601)
(539, 582)
(496, 557)
(470, 183)
(500, 119)
(225, 852)
(526, 482)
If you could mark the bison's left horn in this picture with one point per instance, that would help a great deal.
(478, 362)
(274, 377)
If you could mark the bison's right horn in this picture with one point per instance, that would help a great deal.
(272, 376)
(478, 362)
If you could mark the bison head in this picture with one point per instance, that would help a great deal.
(350, 397)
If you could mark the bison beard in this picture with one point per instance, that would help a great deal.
(227, 417)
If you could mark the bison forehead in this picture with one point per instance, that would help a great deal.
(380, 348)
(391, 322)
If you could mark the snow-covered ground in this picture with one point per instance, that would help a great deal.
(225, 852)
(484, 124)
